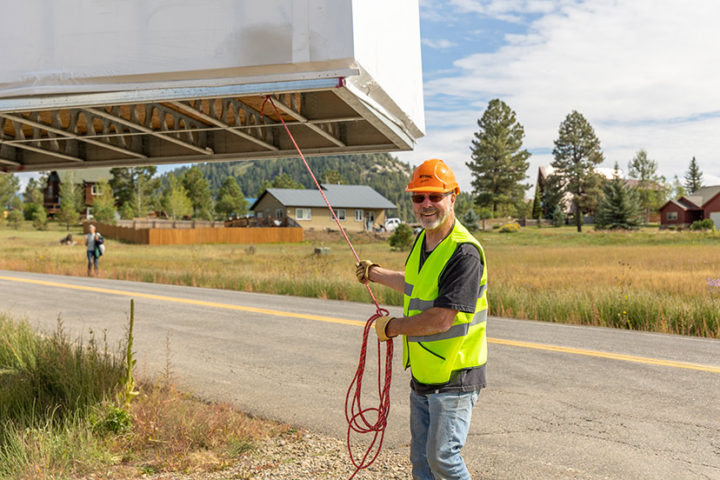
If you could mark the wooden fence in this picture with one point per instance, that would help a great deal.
(188, 235)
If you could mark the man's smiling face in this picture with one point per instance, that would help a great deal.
(433, 214)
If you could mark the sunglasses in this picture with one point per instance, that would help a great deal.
(434, 197)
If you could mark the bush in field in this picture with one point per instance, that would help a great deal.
(706, 224)
(470, 219)
(402, 238)
(510, 228)
(39, 219)
(558, 216)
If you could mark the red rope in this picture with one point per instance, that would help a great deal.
(357, 417)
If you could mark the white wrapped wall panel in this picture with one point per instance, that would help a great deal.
(69, 55)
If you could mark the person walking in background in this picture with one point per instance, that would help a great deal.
(93, 240)
(443, 327)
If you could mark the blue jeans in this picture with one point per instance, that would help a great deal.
(92, 260)
(439, 424)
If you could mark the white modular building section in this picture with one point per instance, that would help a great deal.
(74, 53)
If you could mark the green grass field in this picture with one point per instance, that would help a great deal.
(663, 281)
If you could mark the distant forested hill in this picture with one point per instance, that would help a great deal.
(383, 172)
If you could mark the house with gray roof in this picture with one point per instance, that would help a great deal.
(358, 207)
(702, 204)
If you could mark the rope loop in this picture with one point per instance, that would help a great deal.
(359, 420)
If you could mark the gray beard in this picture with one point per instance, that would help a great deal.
(432, 225)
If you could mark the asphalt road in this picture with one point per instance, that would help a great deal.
(563, 402)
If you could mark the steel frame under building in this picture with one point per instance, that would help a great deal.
(184, 125)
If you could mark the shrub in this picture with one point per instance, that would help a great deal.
(510, 228)
(706, 224)
(558, 217)
(40, 219)
(402, 238)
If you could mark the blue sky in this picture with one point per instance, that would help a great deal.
(644, 73)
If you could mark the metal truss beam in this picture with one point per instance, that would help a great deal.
(327, 132)
(214, 121)
(19, 141)
(44, 151)
(73, 136)
(163, 134)
(6, 161)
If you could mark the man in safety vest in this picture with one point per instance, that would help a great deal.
(443, 327)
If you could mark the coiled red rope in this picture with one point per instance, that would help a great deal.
(369, 420)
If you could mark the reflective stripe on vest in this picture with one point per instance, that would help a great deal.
(433, 358)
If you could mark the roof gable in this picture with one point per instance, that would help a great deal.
(706, 194)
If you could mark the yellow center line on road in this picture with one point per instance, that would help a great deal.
(344, 321)
(613, 356)
(227, 306)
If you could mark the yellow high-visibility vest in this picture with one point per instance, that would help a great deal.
(433, 358)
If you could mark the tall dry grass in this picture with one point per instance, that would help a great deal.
(62, 415)
(650, 280)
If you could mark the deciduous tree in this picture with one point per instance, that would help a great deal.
(69, 208)
(577, 152)
(176, 202)
(9, 186)
(499, 163)
(103, 207)
(651, 186)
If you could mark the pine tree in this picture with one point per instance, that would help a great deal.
(231, 201)
(333, 177)
(198, 190)
(499, 164)
(693, 177)
(620, 206)
(537, 207)
(69, 207)
(577, 153)
(15, 217)
(135, 186)
(553, 196)
(33, 196)
(39, 219)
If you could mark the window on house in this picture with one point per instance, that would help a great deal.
(303, 214)
(671, 215)
(359, 215)
(279, 213)
(95, 190)
(340, 212)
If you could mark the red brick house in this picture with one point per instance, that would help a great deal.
(705, 203)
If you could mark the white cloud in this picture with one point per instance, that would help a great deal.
(644, 73)
(438, 44)
(509, 10)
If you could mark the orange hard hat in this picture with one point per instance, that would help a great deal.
(433, 176)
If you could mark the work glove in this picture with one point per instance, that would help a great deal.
(362, 271)
(380, 326)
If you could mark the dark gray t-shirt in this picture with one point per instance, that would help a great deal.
(458, 289)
